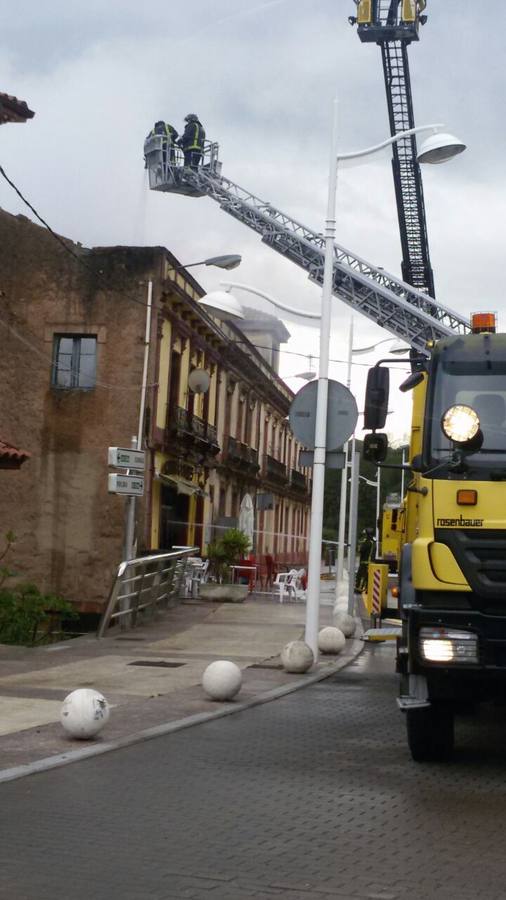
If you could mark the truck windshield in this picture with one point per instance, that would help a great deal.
(472, 384)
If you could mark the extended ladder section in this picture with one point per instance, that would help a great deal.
(416, 266)
(393, 25)
(394, 305)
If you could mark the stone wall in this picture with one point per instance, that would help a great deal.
(69, 529)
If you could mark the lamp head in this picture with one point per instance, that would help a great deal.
(440, 147)
(223, 304)
(228, 261)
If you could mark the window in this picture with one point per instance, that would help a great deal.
(74, 361)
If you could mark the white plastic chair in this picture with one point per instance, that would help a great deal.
(299, 591)
(192, 564)
(285, 584)
(198, 576)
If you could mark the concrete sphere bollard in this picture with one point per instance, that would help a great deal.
(297, 657)
(222, 680)
(84, 713)
(331, 640)
(345, 623)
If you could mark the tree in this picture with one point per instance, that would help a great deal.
(390, 484)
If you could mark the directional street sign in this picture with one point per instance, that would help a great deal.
(334, 459)
(131, 485)
(125, 458)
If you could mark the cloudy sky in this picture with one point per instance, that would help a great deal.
(261, 76)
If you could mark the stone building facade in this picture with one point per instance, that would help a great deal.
(72, 339)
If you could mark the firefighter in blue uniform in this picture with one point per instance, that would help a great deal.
(192, 141)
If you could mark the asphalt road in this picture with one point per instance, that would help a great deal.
(310, 796)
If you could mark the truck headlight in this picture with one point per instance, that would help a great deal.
(446, 645)
(460, 423)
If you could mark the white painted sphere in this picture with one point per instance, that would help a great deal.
(222, 680)
(345, 623)
(331, 640)
(84, 713)
(297, 656)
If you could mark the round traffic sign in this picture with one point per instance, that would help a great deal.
(342, 415)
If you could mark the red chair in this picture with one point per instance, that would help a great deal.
(270, 569)
(249, 573)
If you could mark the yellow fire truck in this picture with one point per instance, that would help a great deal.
(452, 577)
(392, 531)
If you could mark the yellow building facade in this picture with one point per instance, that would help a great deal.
(228, 438)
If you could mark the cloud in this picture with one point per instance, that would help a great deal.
(262, 76)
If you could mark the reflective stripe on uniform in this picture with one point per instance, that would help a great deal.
(196, 145)
(168, 132)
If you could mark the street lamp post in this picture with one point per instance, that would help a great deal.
(453, 146)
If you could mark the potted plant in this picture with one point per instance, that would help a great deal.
(232, 546)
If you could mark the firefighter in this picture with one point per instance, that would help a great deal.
(192, 141)
(168, 144)
(366, 553)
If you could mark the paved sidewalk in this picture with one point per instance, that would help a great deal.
(151, 676)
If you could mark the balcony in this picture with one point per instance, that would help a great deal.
(197, 436)
(240, 456)
(275, 471)
(298, 481)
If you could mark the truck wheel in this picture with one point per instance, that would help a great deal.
(430, 732)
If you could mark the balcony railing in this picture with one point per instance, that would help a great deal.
(298, 480)
(184, 424)
(275, 470)
(241, 454)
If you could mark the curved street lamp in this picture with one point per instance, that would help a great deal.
(223, 301)
(399, 348)
(227, 261)
(439, 147)
(439, 151)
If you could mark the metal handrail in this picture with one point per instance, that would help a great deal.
(147, 582)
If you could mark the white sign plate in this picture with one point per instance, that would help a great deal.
(334, 459)
(132, 485)
(126, 459)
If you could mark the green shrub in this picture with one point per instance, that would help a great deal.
(24, 611)
(227, 551)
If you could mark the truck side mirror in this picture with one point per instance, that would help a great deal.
(376, 398)
(375, 447)
(411, 382)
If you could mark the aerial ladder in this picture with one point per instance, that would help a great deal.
(405, 311)
(393, 25)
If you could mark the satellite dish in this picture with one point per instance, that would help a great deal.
(199, 381)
